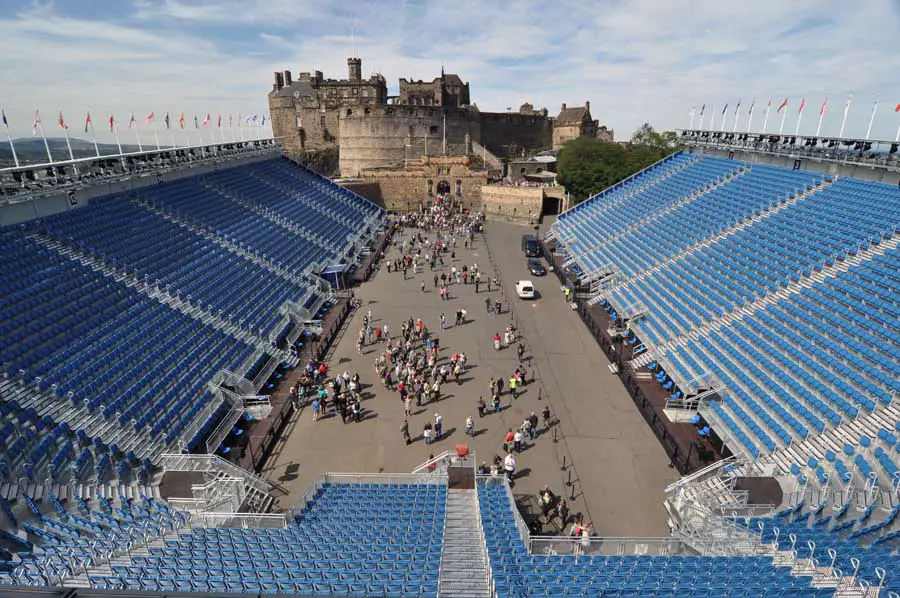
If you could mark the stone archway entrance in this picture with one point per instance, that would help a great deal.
(443, 188)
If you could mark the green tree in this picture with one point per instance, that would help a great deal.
(586, 166)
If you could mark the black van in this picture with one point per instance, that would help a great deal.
(530, 246)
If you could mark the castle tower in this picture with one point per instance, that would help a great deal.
(354, 66)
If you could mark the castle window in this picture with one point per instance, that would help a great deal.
(433, 130)
(540, 170)
(430, 187)
(299, 122)
(523, 170)
(349, 112)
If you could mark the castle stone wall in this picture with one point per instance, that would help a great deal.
(522, 205)
(383, 137)
(509, 135)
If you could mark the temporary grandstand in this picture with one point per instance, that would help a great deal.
(762, 299)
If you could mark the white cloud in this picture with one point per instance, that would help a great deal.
(636, 60)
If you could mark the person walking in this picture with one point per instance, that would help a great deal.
(513, 385)
(509, 467)
(480, 406)
(404, 429)
(470, 426)
(517, 441)
(438, 426)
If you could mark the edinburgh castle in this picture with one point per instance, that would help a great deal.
(379, 136)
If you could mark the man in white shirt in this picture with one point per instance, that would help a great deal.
(509, 466)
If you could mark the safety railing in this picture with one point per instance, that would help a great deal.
(612, 546)
(241, 520)
(216, 464)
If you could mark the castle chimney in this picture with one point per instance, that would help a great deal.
(564, 106)
(288, 78)
(279, 81)
(587, 105)
(354, 66)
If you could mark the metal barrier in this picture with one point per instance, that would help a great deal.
(240, 520)
(554, 545)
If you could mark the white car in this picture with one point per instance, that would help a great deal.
(525, 289)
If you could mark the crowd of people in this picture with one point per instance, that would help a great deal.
(410, 360)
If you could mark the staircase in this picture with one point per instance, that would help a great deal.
(464, 564)
(256, 492)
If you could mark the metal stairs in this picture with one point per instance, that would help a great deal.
(258, 259)
(669, 208)
(257, 491)
(293, 193)
(464, 561)
(795, 286)
(272, 217)
(730, 231)
(78, 417)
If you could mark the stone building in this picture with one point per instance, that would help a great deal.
(572, 123)
(436, 118)
(305, 113)
(446, 90)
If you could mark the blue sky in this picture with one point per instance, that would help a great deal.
(636, 61)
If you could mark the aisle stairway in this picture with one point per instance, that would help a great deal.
(464, 566)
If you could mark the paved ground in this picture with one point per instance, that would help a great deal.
(619, 468)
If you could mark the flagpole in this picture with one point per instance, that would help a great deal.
(872, 119)
(712, 118)
(231, 126)
(766, 119)
(68, 145)
(691, 126)
(750, 116)
(137, 133)
(187, 140)
(171, 132)
(116, 132)
(12, 146)
(799, 118)
(700, 127)
(155, 134)
(844, 120)
(734, 129)
(783, 117)
(821, 116)
(46, 145)
(90, 122)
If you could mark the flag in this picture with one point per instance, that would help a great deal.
(702, 109)
(61, 121)
(825, 103)
(230, 121)
(87, 121)
(167, 121)
(736, 108)
(264, 119)
(875, 106)
(37, 122)
(196, 122)
(768, 106)
(724, 109)
(206, 120)
(783, 105)
(132, 122)
(897, 109)
(149, 118)
(181, 120)
(802, 104)
(255, 117)
(3, 114)
(752, 104)
(219, 122)
(112, 123)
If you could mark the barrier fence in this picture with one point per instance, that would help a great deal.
(684, 460)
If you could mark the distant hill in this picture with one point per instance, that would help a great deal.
(31, 150)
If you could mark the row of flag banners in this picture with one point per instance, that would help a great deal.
(151, 118)
(784, 105)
